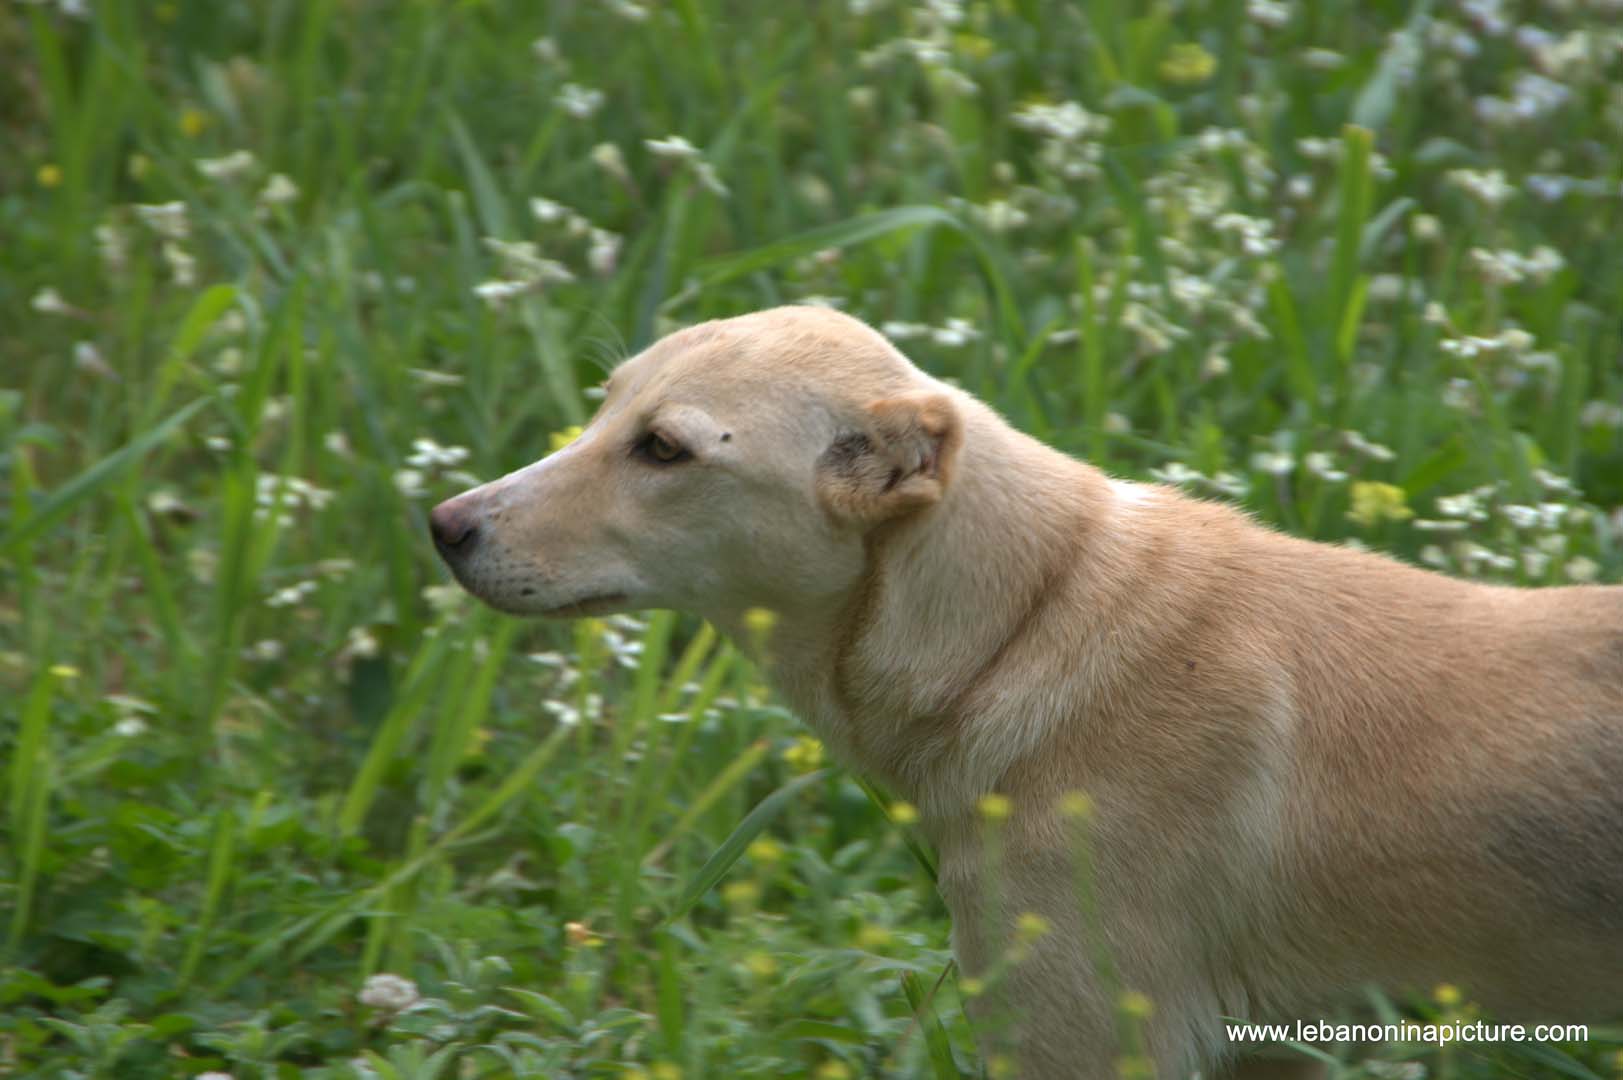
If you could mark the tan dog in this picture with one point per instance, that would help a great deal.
(1309, 768)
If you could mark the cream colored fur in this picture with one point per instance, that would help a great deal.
(1310, 769)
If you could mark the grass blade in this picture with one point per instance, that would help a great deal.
(53, 507)
(942, 1063)
(839, 235)
(722, 860)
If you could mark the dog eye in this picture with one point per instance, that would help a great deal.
(661, 450)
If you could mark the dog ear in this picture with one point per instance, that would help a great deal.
(900, 460)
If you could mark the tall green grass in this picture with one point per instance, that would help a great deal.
(1265, 261)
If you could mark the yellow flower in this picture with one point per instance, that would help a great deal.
(1447, 995)
(999, 1067)
(903, 813)
(1135, 1067)
(49, 175)
(761, 965)
(561, 439)
(873, 936)
(995, 807)
(1136, 1005)
(1374, 502)
(665, 1070)
(193, 121)
(1031, 926)
(740, 895)
(973, 45)
(1076, 805)
(971, 986)
(64, 671)
(765, 850)
(1187, 63)
(582, 936)
(804, 754)
(759, 621)
(139, 165)
(833, 1070)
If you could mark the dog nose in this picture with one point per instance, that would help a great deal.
(454, 528)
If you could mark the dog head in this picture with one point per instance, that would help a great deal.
(735, 464)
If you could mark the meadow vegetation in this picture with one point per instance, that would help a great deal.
(276, 799)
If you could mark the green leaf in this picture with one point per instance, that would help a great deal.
(1435, 467)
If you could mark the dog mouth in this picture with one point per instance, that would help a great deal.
(591, 604)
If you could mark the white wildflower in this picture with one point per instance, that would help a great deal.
(1273, 462)
(182, 266)
(361, 643)
(580, 102)
(1466, 506)
(265, 651)
(112, 246)
(233, 166)
(1488, 187)
(1270, 13)
(1358, 444)
(548, 211)
(1554, 483)
(545, 50)
(604, 252)
(49, 302)
(279, 190)
(1000, 216)
(522, 261)
(672, 148)
(1230, 484)
(903, 331)
(444, 599)
(392, 993)
(428, 454)
(409, 482)
(607, 156)
(1323, 466)
(1601, 414)
(1522, 517)
(168, 220)
(709, 179)
(1255, 234)
(1177, 474)
(291, 595)
(88, 358)
(955, 333)
(1582, 569)
(430, 377)
(130, 726)
(496, 292)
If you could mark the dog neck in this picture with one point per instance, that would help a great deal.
(911, 677)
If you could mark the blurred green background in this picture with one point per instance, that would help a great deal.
(276, 276)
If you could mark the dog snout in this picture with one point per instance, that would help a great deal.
(454, 524)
